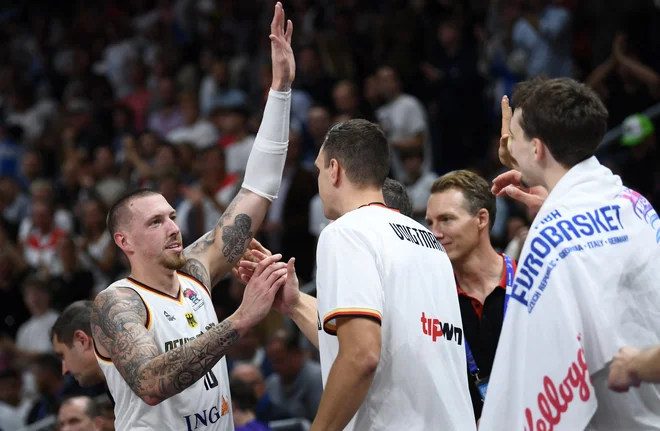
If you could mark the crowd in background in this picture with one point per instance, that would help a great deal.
(98, 98)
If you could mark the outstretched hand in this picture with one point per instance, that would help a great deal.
(509, 184)
(287, 297)
(504, 151)
(284, 63)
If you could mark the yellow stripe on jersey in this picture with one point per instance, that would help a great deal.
(178, 299)
(331, 328)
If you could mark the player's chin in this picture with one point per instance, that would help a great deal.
(174, 262)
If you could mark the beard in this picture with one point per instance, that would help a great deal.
(174, 262)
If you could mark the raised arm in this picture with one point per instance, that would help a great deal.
(118, 327)
(215, 253)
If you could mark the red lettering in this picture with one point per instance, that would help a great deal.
(426, 332)
(553, 403)
(437, 329)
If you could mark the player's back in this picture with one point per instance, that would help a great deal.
(173, 322)
(400, 275)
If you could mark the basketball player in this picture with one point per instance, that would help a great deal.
(587, 275)
(387, 321)
(157, 337)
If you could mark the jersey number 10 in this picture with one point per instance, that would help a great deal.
(210, 381)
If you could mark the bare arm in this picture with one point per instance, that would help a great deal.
(643, 73)
(214, 254)
(351, 374)
(305, 316)
(598, 77)
(117, 321)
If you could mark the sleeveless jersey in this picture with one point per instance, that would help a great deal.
(172, 322)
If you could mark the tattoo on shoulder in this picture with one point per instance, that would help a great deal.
(198, 270)
(117, 323)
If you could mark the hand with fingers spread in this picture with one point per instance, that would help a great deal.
(510, 184)
(288, 296)
(504, 152)
(284, 64)
(268, 276)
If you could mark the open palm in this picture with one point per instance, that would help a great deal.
(284, 64)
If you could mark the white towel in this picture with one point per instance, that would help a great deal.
(588, 282)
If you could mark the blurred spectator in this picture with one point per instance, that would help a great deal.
(79, 413)
(215, 90)
(296, 383)
(232, 122)
(248, 350)
(244, 403)
(418, 182)
(71, 281)
(404, 121)
(346, 100)
(139, 97)
(637, 159)
(39, 243)
(195, 129)
(265, 410)
(96, 244)
(543, 31)
(318, 123)
(625, 84)
(15, 205)
(167, 117)
(13, 411)
(310, 76)
(288, 216)
(204, 204)
(51, 386)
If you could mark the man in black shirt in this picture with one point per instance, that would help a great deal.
(460, 213)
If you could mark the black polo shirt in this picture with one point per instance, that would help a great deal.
(482, 324)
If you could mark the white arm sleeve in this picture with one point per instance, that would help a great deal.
(263, 173)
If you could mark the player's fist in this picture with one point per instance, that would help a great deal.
(621, 376)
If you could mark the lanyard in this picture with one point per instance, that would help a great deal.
(472, 364)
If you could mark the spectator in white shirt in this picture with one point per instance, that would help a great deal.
(404, 121)
(196, 130)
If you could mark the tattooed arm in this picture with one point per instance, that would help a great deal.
(214, 254)
(118, 328)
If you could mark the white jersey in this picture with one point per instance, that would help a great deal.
(172, 322)
(377, 263)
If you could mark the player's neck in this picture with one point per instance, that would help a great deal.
(161, 279)
(354, 199)
(552, 175)
(480, 271)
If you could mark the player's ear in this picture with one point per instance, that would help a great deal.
(122, 242)
(483, 218)
(82, 338)
(334, 171)
(539, 149)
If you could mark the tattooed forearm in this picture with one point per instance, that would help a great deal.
(117, 321)
(235, 238)
(230, 237)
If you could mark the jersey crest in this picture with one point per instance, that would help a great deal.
(191, 320)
